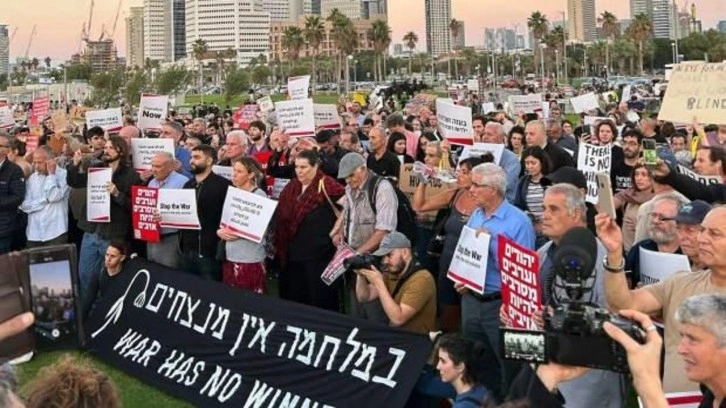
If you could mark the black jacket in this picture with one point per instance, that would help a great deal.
(528, 386)
(211, 193)
(123, 178)
(694, 190)
(520, 197)
(328, 164)
(558, 156)
(12, 194)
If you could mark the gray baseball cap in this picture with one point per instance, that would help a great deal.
(349, 163)
(393, 240)
(693, 213)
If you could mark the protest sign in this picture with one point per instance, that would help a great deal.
(40, 110)
(224, 171)
(78, 114)
(477, 149)
(455, 122)
(278, 185)
(707, 180)
(695, 90)
(326, 116)
(98, 200)
(32, 141)
(656, 266)
(689, 399)
(593, 120)
(519, 267)
(178, 208)
(247, 214)
(525, 103)
(216, 346)
(144, 202)
(6, 118)
(298, 87)
(545, 110)
(584, 103)
(107, 119)
(245, 115)
(627, 90)
(591, 160)
(473, 85)
(335, 268)
(143, 150)
(60, 121)
(265, 103)
(152, 111)
(296, 118)
(408, 181)
(487, 107)
(469, 264)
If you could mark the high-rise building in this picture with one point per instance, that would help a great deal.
(397, 49)
(722, 26)
(4, 50)
(501, 39)
(374, 7)
(135, 37)
(438, 18)
(460, 40)
(353, 9)
(659, 12)
(176, 31)
(164, 30)
(240, 25)
(279, 9)
(297, 8)
(582, 21)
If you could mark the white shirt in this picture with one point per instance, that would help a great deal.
(46, 203)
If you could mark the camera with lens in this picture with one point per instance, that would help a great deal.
(361, 261)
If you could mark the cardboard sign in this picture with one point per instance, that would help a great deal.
(695, 90)
(247, 214)
(584, 103)
(152, 111)
(298, 87)
(525, 103)
(707, 180)
(335, 268)
(265, 103)
(591, 160)
(107, 119)
(98, 200)
(520, 283)
(6, 118)
(178, 208)
(143, 150)
(408, 181)
(478, 149)
(455, 122)
(469, 264)
(296, 118)
(60, 121)
(78, 114)
(144, 203)
(224, 171)
(326, 116)
(656, 266)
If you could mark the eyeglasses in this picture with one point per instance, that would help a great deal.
(473, 184)
(661, 217)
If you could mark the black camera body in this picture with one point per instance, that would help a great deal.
(361, 261)
(575, 336)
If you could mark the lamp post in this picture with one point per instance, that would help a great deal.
(347, 74)
(557, 66)
(673, 52)
(355, 72)
(541, 62)
(564, 45)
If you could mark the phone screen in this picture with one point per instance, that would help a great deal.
(650, 156)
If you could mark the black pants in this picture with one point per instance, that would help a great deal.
(300, 282)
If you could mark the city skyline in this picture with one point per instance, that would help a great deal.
(59, 28)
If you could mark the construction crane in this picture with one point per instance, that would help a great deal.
(30, 42)
(12, 35)
(90, 20)
(115, 20)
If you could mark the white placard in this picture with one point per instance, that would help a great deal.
(454, 122)
(298, 87)
(525, 103)
(592, 159)
(469, 264)
(656, 266)
(247, 214)
(626, 93)
(6, 118)
(224, 171)
(584, 103)
(278, 186)
(152, 111)
(688, 399)
(487, 107)
(98, 200)
(143, 150)
(472, 85)
(326, 116)
(178, 208)
(545, 110)
(633, 116)
(296, 118)
(707, 180)
(265, 103)
(590, 120)
(477, 149)
(106, 119)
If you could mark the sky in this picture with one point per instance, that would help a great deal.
(59, 24)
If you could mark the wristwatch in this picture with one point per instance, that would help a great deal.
(613, 269)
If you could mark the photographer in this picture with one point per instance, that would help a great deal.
(407, 292)
(663, 297)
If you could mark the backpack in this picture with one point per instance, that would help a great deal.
(406, 223)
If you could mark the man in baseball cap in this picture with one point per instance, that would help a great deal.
(688, 223)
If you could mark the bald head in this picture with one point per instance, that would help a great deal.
(128, 133)
(535, 133)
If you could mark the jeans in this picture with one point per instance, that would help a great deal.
(480, 322)
(207, 268)
(91, 259)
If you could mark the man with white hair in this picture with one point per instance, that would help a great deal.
(494, 133)
(46, 201)
(174, 130)
(166, 251)
(495, 216)
(236, 142)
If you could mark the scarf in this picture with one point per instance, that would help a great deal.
(294, 207)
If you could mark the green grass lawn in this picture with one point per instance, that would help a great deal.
(190, 100)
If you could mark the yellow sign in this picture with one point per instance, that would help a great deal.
(696, 90)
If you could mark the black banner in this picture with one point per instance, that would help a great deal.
(213, 345)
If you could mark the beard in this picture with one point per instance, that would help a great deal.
(198, 169)
(108, 159)
(394, 268)
(662, 237)
(255, 138)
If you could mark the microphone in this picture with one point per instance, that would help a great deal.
(574, 260)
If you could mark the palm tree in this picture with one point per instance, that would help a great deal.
(410, 39)
(314, 35)
(610, 29)
(455, 28)
(554, 41)
(47, 61)
(380, 35)
(538, 26)
(293, 41)
(640, 30)
(199, 50)
(345, 37)
(35, 63)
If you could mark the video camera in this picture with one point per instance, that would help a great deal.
(362, 261)
(573, 330)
